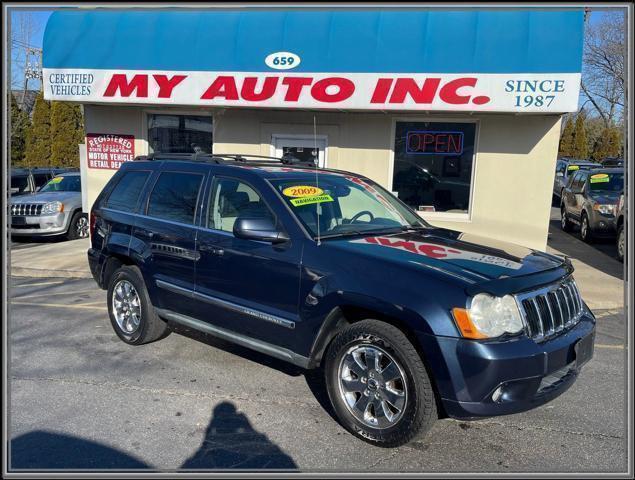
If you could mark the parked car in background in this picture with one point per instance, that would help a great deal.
(565, 167)
(29, 180)
(56, 209)
(620, 211)
(322, 267)
(612, 162)
(589, 200)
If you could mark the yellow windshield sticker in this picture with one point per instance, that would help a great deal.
(573, 167)
(56, 180)
(302, 191)
(298, 202)
(600, 178)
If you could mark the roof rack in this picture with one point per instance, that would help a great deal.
(227, 158)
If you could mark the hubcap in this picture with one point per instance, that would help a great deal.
(585, 226)
(126, 306)
(82, 227)
(372, 385)
(563, 218)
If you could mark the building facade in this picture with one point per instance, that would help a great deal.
(455, 111)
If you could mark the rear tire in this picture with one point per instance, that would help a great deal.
(565, 223)
(388, 403)
(132, 315)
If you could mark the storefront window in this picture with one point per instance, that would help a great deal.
(180, 133)
(433, 165)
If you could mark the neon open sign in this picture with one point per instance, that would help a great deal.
(434, 143)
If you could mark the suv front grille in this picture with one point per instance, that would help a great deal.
(26, 209)
(550, 310)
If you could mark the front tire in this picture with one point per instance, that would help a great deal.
(78, 227)
(621, 243)
(378, 384)
(585, 229)
(131, 313)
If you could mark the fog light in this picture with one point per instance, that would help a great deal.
(498, 393)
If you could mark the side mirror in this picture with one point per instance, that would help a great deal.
(262, 229)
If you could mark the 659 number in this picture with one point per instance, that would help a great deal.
(282, 60)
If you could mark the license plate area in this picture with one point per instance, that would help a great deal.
(584, 350)
(18, 221)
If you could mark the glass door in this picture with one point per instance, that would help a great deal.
(302, 147)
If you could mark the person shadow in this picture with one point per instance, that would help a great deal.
(230, 442)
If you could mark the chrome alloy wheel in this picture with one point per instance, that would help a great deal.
(373, 386)
(563, 218)
(126, 306)
(81, 228)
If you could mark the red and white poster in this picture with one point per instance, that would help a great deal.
(108, 151)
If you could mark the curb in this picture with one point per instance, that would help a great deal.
(38, 273)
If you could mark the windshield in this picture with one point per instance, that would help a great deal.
(345, 205)
(606, 182)
(71, 183)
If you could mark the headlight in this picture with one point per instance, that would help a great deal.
(489, 317)
(605, 209)
(52, 207)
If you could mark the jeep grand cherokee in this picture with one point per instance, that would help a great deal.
(325, 268)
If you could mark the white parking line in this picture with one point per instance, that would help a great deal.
(37, 284)
(59, 305)
(54, 294)
(616, 347)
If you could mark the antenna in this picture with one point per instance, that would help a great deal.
(317, 161)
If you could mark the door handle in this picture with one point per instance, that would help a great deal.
(211, 249)
(144, 234)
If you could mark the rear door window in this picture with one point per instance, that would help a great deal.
(174, 196)
(125, 195)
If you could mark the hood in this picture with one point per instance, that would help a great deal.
(471, 258)
(605, 198)
(44, 197)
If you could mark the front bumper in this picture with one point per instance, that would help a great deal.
(39, 225)
(602, 224)
(526, 374)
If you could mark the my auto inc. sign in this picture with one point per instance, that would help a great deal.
(355, 91)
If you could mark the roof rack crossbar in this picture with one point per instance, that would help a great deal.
(222, 158)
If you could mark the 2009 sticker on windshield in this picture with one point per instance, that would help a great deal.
(600, 178)
(306, 195)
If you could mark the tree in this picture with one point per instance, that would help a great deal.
(608, 144)
(566, 139)
(580, 147)
(38, 138)
(67, 131)
(603, 67)
(20, 123)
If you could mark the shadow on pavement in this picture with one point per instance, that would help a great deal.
(594, 255)
(230, 442)
(42, 450)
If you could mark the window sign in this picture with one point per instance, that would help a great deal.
(180, 133)
(109, 151)
(433, 165)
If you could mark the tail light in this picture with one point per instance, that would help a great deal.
(93, 221)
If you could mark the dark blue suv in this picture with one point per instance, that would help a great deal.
(325, 268)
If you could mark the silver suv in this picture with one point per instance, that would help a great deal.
(56, 209)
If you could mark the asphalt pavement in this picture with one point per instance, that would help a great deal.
(81, 398)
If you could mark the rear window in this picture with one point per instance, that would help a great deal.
(125, 195)
(174, 196)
